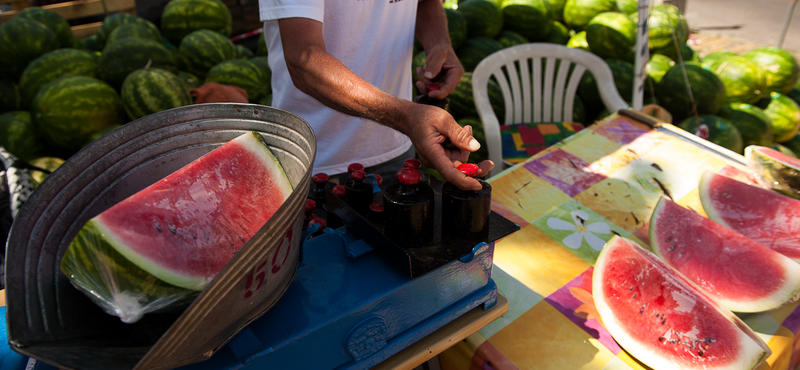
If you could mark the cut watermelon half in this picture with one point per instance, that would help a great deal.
(167, 242)
(775, 170)
(662, 319)
(740, 274)
(771, 219)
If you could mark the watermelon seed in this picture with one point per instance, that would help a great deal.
(672, 248)
(656, 166)
(158, 226)
(669, 239)
(172, 229)
(700, 353)
(661, 339)
(634, 295)
(641, 311)
(631, 288)
(680, 255)
(664, 322)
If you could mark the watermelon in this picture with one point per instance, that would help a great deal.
(533, 19)
(243, 52)
(794, 94)
(665, 19)
(656, 68)
(623, 80)
(716, 130)
(780, 67)
(475, 50)
(189, 80)
(263, 64)
(152, 90)
(793, 144)
(462, 101)
(706, 88)
(90, 43)
(49, 164)
(53, 21)
(142, 30)
(182, 17)
(740, 274)
(267, 100)
(52, 66)
(23, 40)
(744, 80)
(456, 27)
(156, 241)
(559, 34)
(754, 125)
(111, 23)
(769, 218)
(628, 6)
(715, 56)
(127, 55)
(784, 114)
(241, 73)
(483, 17)
(18, 136)
(775, 170)
(578, 41)
(578, 13)
(662, 319)
(9, 96)
(203, 49)
(558, 9)
(611, 35)
(65, 121)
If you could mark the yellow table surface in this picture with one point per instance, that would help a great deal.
(608, 173)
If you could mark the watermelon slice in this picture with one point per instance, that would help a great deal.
(168, 241)
(742, 275)
(664, 320)
(775, 170)
(769, 218)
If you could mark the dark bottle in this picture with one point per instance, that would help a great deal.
(358, 193)
(465, 213)
(408, 208)
(427, 100)
(317, 189)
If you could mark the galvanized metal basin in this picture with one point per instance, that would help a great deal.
(50, 320)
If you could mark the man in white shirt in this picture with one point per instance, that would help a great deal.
(345, 67)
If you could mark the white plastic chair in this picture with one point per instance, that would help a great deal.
(529, 104)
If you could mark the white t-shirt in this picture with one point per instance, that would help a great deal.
(374, 39)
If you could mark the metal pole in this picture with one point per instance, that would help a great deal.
(786, 20)
(642, 55)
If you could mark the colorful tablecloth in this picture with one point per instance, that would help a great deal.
(569, 200)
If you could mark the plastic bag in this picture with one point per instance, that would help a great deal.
(774, 170)
(16, 185)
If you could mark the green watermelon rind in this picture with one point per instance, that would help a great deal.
(252, 142)
(152, 90)
(757, 353)
(182, 17)
(52, 66)
(127, 55)
(779, 297)
(772, 172)
(241, 73)
(611, 35)
(203, 49)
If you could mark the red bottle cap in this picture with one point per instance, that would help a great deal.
(310, 205)
(469, 169)
(338, 190)
(408, 176)
(378, 178)
(376, 207)
(412, 163)
(355, 166)
(358, 175)
(320, 178)
(317, 220)
(432, 87)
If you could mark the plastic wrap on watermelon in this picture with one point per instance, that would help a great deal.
(775, 170)
(158, 249)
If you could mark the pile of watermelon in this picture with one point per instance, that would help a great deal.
(57, 93)
(749, 99)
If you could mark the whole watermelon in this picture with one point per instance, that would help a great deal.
(780, 67)
(66, 122)
(90, 43)
(53, 21)
(242, 52)
(744, 80)
(182, 17)
(578, 41)
(716, 130)
(578, 13)
(456, 27)
(628, 6)
(462, 102)
(510, 38)
(203, 49)
(127, 55)
(152, 90)
(706, 88)
(9, 96)
(793, 144)
(559, 34)
(794, 94)
(558, 9)
(623, 81)
(18, 136)
(611, 35)
(52, 66)
(111, 23)
(665, 19)
(715, 56)
(241, 73)
(22, 40)
(263, 64)
(142, 30)
(754, 125)
(189, 80)
(532, 19)
(785, 116)
(483, 17)
(475, 50)
(656, 68)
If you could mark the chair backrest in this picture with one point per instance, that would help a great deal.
(536, 87)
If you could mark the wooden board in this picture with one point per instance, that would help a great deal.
(78, 9)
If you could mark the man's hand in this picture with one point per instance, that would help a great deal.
(441, 68)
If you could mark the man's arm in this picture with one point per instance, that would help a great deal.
(320, 75)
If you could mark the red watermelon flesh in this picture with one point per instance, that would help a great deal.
(662, 319)
(186, 227)
(770, 219)
(742, 275)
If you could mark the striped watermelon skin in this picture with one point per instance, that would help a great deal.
(476, 49)
(182, 17)
(664, 18)
(203, 49)
(484, 18)
(780, 67)
(66, 122)
(189, 80)
(22, 40)
(713, 57)
(510, 38)
(785, 116)
(462, 102)
(559, 34)
(18, 136)
(111, 23)
(456, 27)
(52, 66)
(623, 80)
(241, 73)
(578, 13)
(708, 91)
(754, 125)
(9, 96)
(152, 90)
(532, 19)
(744, 80)
(263, 65)
(578, 41)
(53, 21)
(611, 35)
(143, 30)
(127, 55)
